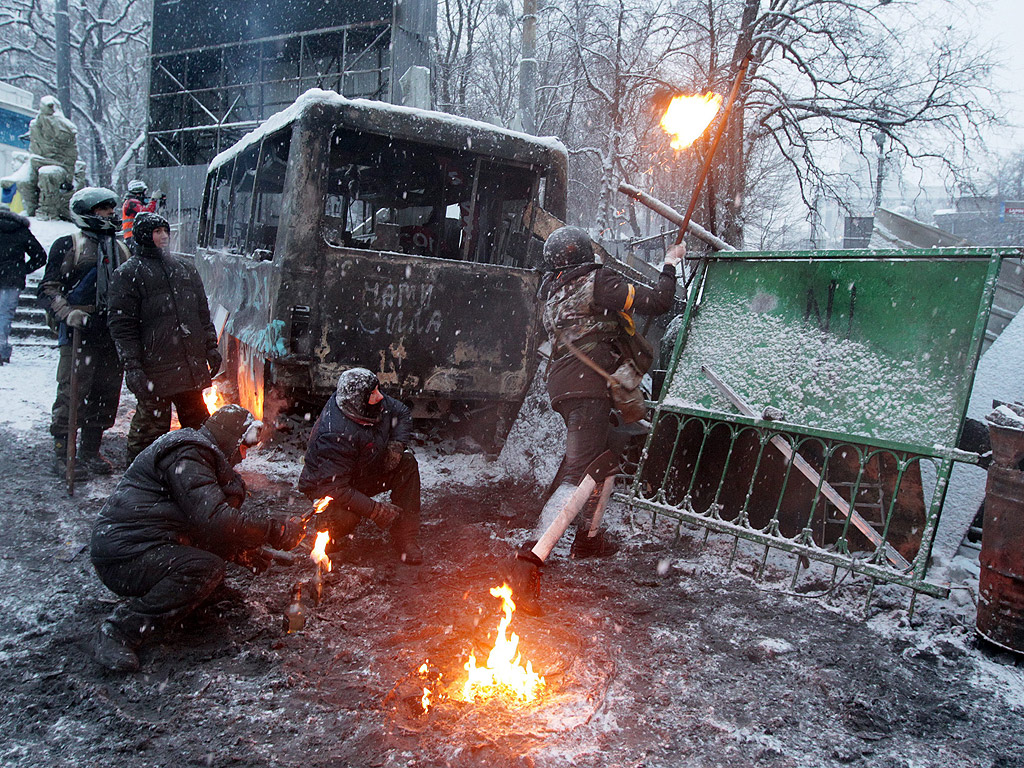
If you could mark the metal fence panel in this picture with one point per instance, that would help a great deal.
(868, 357)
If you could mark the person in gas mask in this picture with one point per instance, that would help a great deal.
(163, 536)
(359, 447)
(160, 323)
(75, 291)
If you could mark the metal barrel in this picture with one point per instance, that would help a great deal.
(1001, 584)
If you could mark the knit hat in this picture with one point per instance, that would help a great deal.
(228, 426)
(145, 225)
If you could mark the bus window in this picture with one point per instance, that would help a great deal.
(389, 195)
(241, 201)
(218, 205)
(269, 186)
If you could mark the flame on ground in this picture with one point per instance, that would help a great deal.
(687, 117)
(503, 673)
(318, 555)
(213, 398)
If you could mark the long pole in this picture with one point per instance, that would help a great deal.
(62, 44)
(76, 343)
(714, 145)
(528, 68)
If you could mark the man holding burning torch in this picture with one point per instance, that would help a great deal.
(588, 318)
(163, 536)
(359, 448)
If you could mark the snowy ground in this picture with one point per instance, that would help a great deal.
(659, 656)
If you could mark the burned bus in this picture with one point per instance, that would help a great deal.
(353, 232)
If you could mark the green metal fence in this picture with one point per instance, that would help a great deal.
(814, 401)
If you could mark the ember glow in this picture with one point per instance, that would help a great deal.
(321, 504)
(213, 398)
(687, 117)
(318, 555)
(503, 674)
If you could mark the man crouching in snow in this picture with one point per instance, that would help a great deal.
(358, 449)
(174, 518)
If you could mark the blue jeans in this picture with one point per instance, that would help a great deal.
(8, 306)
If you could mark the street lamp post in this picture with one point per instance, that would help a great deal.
(880, 139)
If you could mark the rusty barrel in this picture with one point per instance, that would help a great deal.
(1001, 585)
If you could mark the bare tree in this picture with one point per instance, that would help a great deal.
(831, 73)
(109, 44)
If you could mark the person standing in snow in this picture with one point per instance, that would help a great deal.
(589, 306)
(20, 254)
(75, 291)
(134, 204)
(160, 322)
(359, 448)
(176, 516)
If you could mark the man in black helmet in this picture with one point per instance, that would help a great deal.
(160, 322)
(588, 306)
(163, 536)
(359, 447)
(75, 291)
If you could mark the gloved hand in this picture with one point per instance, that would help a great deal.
(675, 254)
(138, 382)
(393, 455)
(77, 318)
(214, 360)
(384, 514)
(257, 560)
(286, 534)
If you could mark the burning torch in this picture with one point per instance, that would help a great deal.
(694, 128)
(310, 590)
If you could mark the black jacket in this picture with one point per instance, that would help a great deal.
(179, 490)
(342, 452)
(17, 242)
(160, 321)
(568, 377)
(75, 278)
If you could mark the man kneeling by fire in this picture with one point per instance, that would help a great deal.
(163, 536)
(358, 448)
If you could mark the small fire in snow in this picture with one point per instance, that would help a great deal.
(503, 673)
(687, 117)
(319, 555)
(213, 398)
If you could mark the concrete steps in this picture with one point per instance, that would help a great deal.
(29, 328)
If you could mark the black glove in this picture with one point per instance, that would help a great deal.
(138, 383)
(257, 560)
(214, 360)
(393, 455)
(286, 534)
(384, 514)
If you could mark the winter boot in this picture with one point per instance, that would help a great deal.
(405, 538)
(118, 638)
(601, 544)
(60, 461)
(524, 578)
(89, 453)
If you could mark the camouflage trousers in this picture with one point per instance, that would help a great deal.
(153, 418)
(99, 386)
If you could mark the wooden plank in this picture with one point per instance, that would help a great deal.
(811, 474)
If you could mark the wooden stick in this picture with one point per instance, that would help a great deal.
(674, 216)
(811, 474)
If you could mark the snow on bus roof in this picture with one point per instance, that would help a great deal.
(319, 96)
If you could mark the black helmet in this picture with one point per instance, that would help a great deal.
(145, 225)
(353, 395)
(85, 200)
(567, 247)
